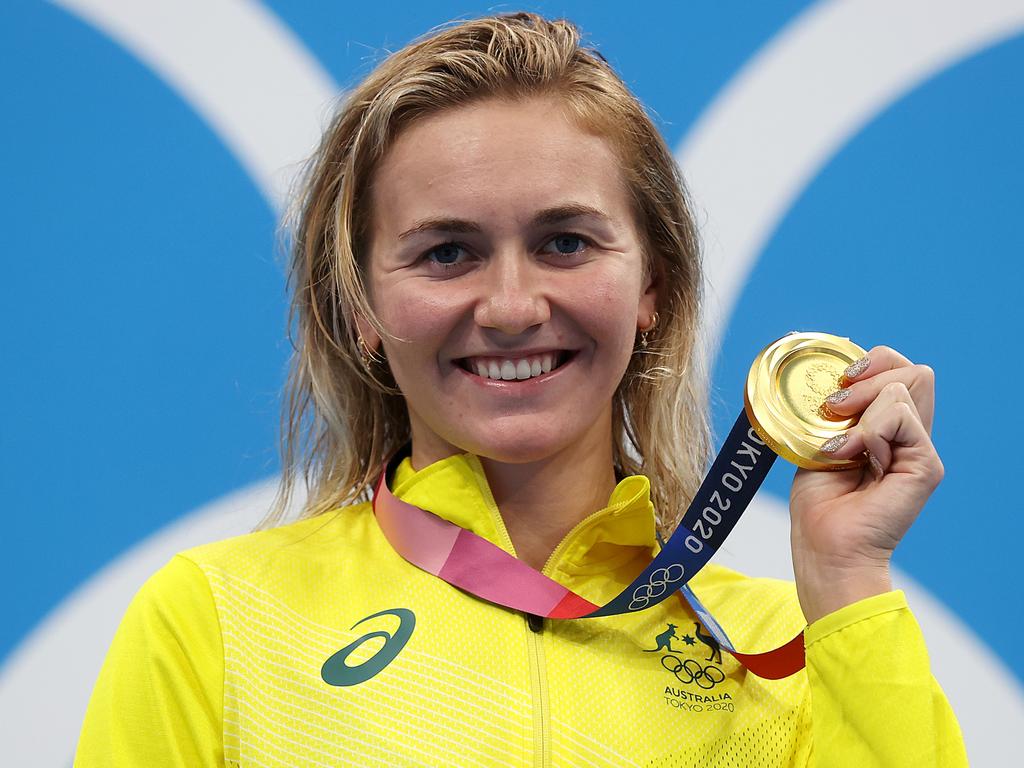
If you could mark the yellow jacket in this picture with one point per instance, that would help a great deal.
(220, 659)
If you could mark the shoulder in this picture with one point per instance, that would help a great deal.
(160, 689)
(189, 584)
(331, 533)
(175, 596)
(294, 566)
(191, 592)
(172, 611)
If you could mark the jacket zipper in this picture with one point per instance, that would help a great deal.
(538, 667)
(534, 639)
(535, 651)
(539, 686)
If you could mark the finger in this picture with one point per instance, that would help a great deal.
(880, 423)
(877, 360)
(896, 437)
(868, 433)
(889, 424)
(893, 399)
(919, 381)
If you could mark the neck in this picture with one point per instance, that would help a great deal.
(541, 502)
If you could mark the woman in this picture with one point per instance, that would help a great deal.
(493, 259)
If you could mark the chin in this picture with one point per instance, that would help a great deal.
(521, 444)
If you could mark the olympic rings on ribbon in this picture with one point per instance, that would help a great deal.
(656, 586)
(690, 671)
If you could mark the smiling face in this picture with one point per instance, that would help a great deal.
(504, 256)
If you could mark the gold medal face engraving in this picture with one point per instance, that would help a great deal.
(785, 393)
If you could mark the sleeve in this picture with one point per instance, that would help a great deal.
(158, 700)
(874, 701)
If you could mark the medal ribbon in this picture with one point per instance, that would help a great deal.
(471, 563)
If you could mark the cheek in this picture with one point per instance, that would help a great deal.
(410, 309)
(421, 321)
(610, 306)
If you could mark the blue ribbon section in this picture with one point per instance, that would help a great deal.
(707, 619)
(736, 474)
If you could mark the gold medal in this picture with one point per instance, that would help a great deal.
(785, 396)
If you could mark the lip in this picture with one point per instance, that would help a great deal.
(518, 354)
(522, 386)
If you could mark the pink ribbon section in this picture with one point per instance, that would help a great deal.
(423, 539)
(470, 562)
(483, 569)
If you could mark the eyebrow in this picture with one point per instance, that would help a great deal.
(558, 213)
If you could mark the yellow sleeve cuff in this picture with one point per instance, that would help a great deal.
(850, 614)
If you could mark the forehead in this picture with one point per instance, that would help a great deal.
(495, 159)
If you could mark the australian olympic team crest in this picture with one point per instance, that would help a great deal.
(693, 667)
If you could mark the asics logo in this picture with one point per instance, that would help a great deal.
(336, 670)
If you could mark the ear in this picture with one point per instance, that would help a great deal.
(648, 299)
(367, 333)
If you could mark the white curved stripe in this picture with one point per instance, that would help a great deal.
(235, 64)
(985, 695)
(794, 104)
(45, 683)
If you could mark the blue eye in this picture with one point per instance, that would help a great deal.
(568, 245)
(446, 254)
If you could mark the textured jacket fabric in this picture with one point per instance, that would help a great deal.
(220, 659)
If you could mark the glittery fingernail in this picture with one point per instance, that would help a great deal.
(876, 466)
(857, 368)
(838, 396)
(833, 444)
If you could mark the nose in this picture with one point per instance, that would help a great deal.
(513, 299)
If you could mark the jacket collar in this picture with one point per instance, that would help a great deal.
(456, 490)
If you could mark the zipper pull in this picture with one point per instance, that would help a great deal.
(534, 622)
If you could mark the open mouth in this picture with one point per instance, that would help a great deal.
(515, 368)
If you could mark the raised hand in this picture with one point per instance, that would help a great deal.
(846, 524)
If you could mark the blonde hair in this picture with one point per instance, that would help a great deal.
(341, 419)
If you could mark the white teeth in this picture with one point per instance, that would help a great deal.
(518, 369)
